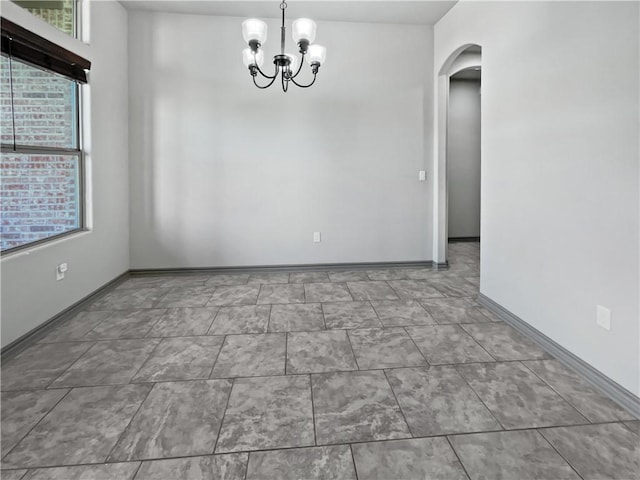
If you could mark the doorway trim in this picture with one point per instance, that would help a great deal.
(465, 56)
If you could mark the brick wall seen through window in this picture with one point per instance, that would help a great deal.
(40, 193)
(59, 13)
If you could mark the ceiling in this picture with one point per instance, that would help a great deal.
(417, 12)
(471, 73)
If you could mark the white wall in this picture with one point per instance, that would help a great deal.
(30, 292)
(225, 174)
(560, 169)
(463, 158)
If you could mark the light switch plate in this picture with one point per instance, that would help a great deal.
(60, 271)
(604, 317)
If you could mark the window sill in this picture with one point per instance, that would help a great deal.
(29, 250)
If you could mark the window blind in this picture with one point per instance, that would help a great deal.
(20, 43)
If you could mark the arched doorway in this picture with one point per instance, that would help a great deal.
(466, 57)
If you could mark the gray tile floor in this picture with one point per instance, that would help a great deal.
(382, 374)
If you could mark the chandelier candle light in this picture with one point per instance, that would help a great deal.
(254, 32)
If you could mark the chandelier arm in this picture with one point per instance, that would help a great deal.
(299, 67)
(255, 62)
(305, 86)
(267, 85)
(267, 76)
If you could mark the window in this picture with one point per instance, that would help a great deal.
(41, 179)
(59, 13)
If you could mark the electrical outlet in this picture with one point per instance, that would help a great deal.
(316, 237)
(603, 318)
(422, 175)
(61, 270)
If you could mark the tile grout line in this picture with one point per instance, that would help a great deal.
(545, 384)
(378, 317)
(479, 398)
(278, 375)
(457, 456)
(353, 460)
(393, 290)
(477, 343)
(95, 342)
(111, 314)
(159, 299)
(395, 397)
(41, 339)
(224, 341)
(126, 429)
(553, 388)
(324, 318)
(313, 412)
(624, 422)
(376, 312)
(135, 474)
(36, 424)
(87, 340)
(145, 361)
(162, 316)
(558, 452)
(110, 339)
(269, 319)
(404, 329)
(224, 415)
(428, 309)
(286, 351)
(346, 285)
(353, 352)
(126, 313)
(246, 470)
(213, 320)
(260, 293)
(356, 442)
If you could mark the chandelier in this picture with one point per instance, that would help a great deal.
(254, 32)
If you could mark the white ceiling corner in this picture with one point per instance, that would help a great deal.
(416, 12)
